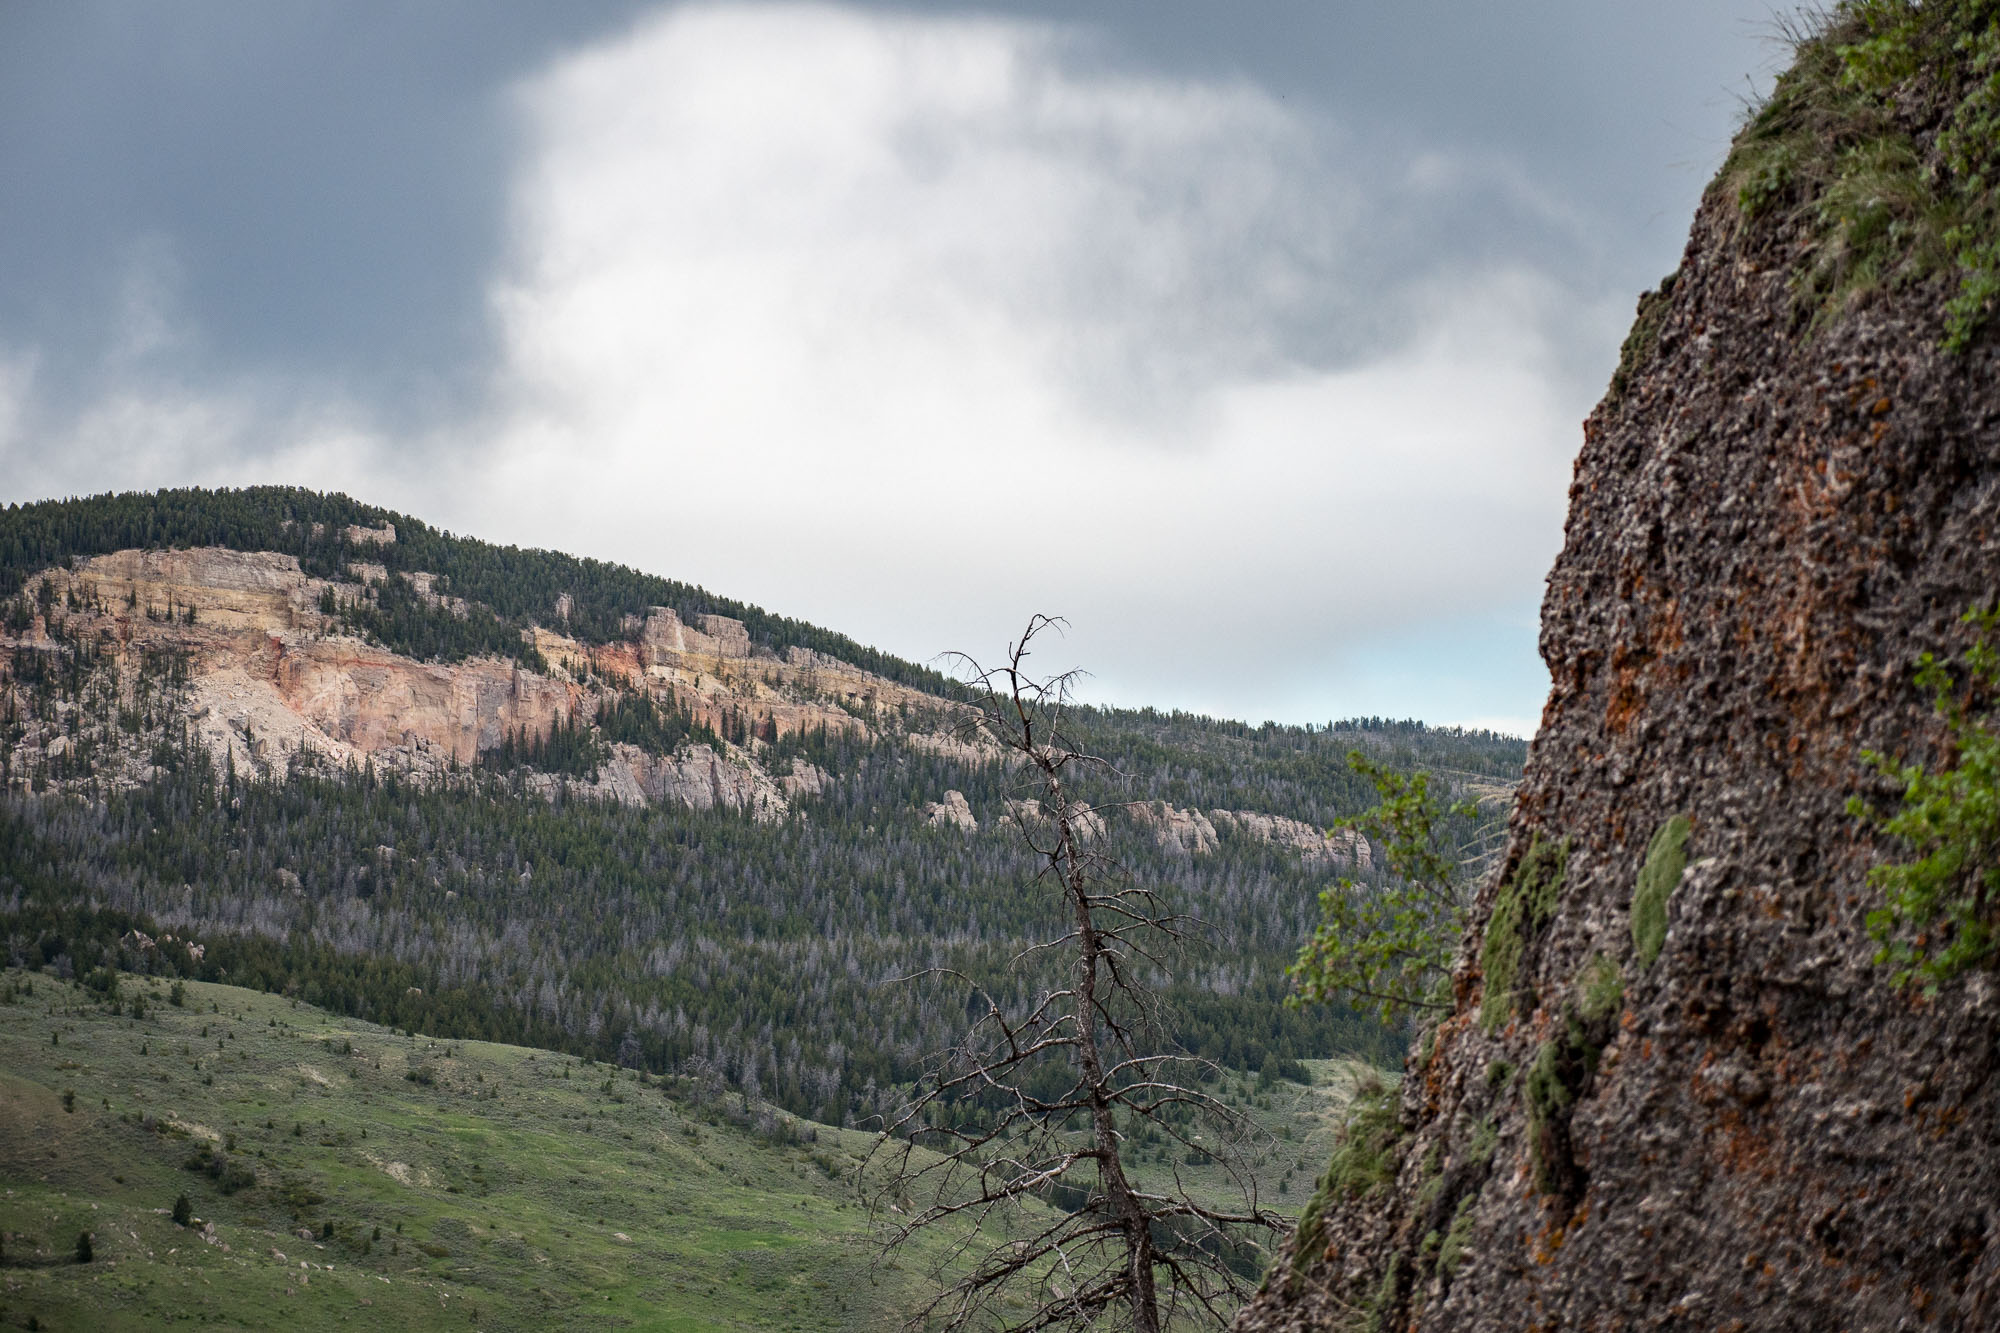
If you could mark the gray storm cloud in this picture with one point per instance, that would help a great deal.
(912, 325)
(952, 330)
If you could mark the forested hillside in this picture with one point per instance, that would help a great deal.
(515, 586)
(511, 898)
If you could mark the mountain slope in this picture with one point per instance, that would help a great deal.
(436, 1185)
(1678, 1091)
(645, 835)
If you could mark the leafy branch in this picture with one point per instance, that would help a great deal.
(1936, 917)
(1389, 948)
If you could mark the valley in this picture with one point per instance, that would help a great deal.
(343, 1173)
(679, 899)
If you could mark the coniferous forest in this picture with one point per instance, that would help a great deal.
(498, 903)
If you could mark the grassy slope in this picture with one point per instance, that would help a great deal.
(525, 1199)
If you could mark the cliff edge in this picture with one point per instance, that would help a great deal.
(1677, 1090)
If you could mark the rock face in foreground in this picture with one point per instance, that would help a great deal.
(1753, 1129)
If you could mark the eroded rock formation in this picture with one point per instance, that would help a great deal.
(952, 810)
(1724, 1116)
(275, 673)
(271, 675)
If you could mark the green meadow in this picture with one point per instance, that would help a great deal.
(340, 1174)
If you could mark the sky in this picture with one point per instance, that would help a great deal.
(1252, 339)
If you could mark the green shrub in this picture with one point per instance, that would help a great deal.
(1388, 947)
(1937, 915)
(228, 1174)
(1666, 859)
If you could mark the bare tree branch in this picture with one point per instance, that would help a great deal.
(1019, 1138)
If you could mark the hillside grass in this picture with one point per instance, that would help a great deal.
(517, 1189)
(512, 1188)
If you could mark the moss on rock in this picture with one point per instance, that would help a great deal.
(1363, 1161)
(1525, 904)
(1600, 988)
(1666, 860)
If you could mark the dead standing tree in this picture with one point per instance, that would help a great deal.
(1020, 1137)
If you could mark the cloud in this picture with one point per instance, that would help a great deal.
(912, 325)
(923, 324)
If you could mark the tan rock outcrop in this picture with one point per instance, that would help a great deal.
(805, 780)
(373, 699)
(228, 590)
(273, 676)
(1192, 833)
(977, 751)
(952, 810)
(1028, 813)
(1343, 847)
(1185, 831)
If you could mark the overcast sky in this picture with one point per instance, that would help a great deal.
(1252, 338)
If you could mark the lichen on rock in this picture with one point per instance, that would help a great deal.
(1526, 901)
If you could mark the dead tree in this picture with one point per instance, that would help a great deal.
(1019, 1141)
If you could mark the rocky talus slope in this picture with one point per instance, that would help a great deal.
(1776, 510)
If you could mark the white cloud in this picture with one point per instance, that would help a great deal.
(912, 325)
(915, 325)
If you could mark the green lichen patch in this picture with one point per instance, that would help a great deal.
(1645, 331)
(1561, 1069)
(1525, 904)
(1545, 1088)
(1452, 1252)
(1485, 1138)
(1600, 988)
(1432, 1179)
(1376, 1314)
(1666, 860)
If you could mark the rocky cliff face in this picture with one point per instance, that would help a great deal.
(271, 674)
(1736, 1121)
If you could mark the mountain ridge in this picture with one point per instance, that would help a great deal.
(645, 846)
